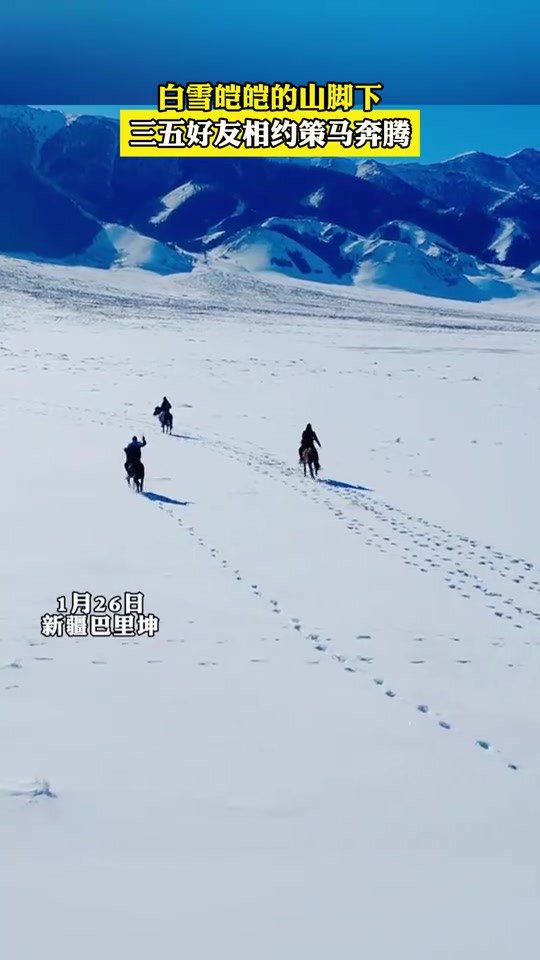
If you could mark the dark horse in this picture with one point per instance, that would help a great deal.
(135, 472)
(309, 459)
(166, 420)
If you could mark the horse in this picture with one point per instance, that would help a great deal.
(310, 459)
(135, 472)
(166, 420)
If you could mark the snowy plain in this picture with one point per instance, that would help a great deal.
(330, 748)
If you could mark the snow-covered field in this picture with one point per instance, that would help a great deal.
(331, 746)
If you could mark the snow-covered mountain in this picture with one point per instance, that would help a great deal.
(468, 228)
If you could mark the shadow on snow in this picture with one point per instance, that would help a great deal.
(183, 436)
(160, 498)
(340, 485)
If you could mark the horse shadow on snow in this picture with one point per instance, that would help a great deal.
(161, 498)
(341, 485)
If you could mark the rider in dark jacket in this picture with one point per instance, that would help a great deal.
(133, 452)
(165, 407)
(309, 439)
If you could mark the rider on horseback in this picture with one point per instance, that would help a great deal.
(164, 407)
(309, 439)
(133, 453)
(164, 415)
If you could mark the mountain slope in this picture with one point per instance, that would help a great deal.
(36, 216)
(63, 182)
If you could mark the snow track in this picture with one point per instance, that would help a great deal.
(351, 664)
(427, 547)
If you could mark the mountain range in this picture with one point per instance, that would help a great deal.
(467, 228)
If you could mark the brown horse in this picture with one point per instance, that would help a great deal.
(310, 460)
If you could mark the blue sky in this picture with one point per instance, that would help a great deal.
(445, 130)
(466, 51)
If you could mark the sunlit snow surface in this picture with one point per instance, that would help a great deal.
(330, 748)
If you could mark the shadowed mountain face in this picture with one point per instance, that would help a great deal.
(35, 215)
(62, 182)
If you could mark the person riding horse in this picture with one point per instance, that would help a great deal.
(164, 407)
(133, 454)
(309, 439)
(164, 415)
